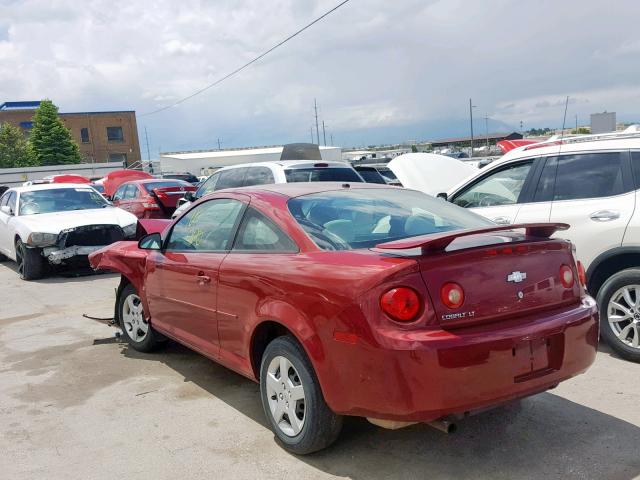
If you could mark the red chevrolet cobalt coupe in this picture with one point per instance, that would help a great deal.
(357, 299)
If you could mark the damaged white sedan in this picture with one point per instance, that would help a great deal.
(51, 224)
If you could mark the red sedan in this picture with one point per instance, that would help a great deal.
(358, 300)
(153, 198)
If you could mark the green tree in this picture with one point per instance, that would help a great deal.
(51, 140)
(15, 151)
(414, 148)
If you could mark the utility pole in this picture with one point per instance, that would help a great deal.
(219, 146)
(522, 128)
(315, 106)
(311, 128)
(486, 127)
(471, 121)
(576, 123)
(332, 139)
(324, 134)
(147, 139)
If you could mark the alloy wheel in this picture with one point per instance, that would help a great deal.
(133, 319)
(623, 314)
(285, 394)
(20, 258)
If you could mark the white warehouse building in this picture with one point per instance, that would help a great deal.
(205, 162)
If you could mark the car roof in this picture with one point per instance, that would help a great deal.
(297, 189)
(50, 186)
(153, 180)
(288, 164)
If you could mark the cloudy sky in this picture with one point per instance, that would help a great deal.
(381, 70)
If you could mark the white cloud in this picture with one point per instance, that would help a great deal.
(373, 64)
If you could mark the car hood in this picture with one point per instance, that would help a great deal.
(58, 221)
(430, 173)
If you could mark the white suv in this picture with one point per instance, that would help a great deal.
(262, 173)
(592, 183)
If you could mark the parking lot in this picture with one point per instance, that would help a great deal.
(75, 402)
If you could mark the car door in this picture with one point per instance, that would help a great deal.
(134, 200)
(7, 233)
(497, 194)
(259, 251)
(118, 196)
(182, 279)
(594, 194)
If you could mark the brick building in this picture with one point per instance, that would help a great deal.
(101, 136)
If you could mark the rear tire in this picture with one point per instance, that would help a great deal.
(295, 393)
(30, 262)
(135, 325)
(3, 258)
(619, 306)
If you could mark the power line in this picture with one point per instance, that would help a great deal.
(238, 70)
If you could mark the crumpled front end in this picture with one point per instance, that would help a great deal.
(75, 244)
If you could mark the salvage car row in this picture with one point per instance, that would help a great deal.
(439, 312)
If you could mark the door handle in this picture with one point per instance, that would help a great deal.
(502, 220)
(202, 278)
(604, 215)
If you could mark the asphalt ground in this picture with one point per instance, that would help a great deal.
(77, 403)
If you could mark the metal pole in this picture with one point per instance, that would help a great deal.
(486, 127)
(324, 134)
(471, 120)
(315, 106)
(332, 139)
(219, 147)
(147, 139)
(311, 128)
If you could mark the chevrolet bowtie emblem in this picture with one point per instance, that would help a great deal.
(516, 277)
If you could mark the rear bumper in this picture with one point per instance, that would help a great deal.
(425, 375)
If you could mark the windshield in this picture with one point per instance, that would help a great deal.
(363, 218)
(387, 173)
(371, 175)
(169, 183)
(60, 200)
(322, 174)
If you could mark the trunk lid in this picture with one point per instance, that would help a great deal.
(503, 274)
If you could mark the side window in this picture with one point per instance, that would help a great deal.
(12, 202)
(635, 163)
(258, 233)
(589, 175)
(4, 200)
(207, 227)
(231, 178)
(502, 187)
(208, 186)
(131, 192)
(259, 176)
(119, 192)
(544, 190)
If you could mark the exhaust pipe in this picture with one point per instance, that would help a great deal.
(444, 425)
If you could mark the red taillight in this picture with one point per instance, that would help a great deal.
(582, 276)
(566, 276)
(452, 295)
(149, 203)
(401, 304)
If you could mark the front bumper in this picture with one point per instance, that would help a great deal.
(421, 376)
(57, 256)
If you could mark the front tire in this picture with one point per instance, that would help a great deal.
(619, 306)
(134, 323)
(30, 262)
(293, 401)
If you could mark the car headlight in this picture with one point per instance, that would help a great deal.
(38, 239)
(130, 230)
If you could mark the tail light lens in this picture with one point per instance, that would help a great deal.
(401, 304)
(566, 276)
(149, 203)
(452, 295)
(582, 276)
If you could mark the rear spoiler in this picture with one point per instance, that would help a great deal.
(440, 241)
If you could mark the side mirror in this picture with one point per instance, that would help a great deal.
(443, 196)
(153, 241)
(190, 197)
(6, 209)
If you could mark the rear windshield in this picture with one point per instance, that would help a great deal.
(168, 183)
(60, 200)
(363, 218)
(322, 174)
(371, 175)
(387, 173)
